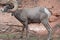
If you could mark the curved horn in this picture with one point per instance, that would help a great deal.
(15, 3)
(3, 1)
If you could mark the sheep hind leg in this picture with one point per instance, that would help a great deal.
(47, 26)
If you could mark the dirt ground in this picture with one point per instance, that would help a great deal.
(13, 32)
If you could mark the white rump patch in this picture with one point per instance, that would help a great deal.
(47, 12)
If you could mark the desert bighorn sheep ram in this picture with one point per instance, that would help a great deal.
(29, 15)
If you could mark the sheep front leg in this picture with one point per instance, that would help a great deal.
(22, 32)
(47, 26)
(27, 31)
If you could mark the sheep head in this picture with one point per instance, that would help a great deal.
(13, 2)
